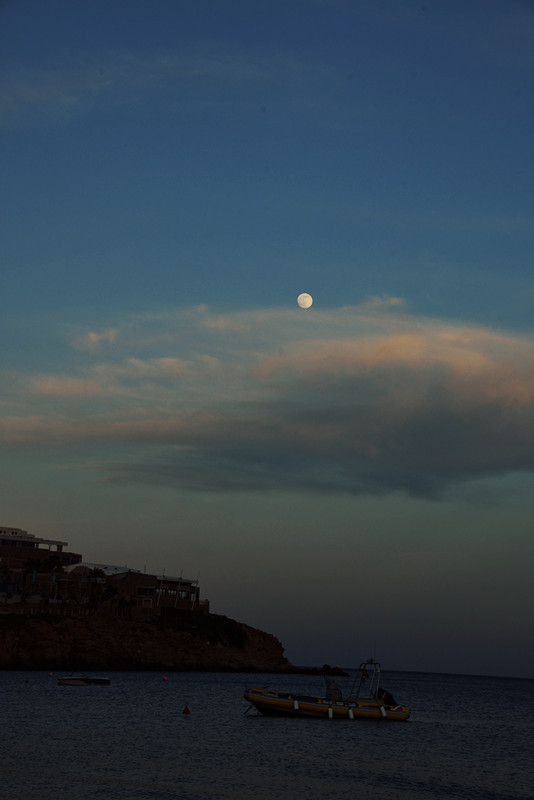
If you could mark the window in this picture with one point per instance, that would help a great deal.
(145, 591)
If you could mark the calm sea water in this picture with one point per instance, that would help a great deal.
(469, 737)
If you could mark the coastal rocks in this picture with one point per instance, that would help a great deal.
(326, 670)
(181, 642)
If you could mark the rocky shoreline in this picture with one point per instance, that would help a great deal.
(185, 642)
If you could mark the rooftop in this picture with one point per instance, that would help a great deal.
(19, 535)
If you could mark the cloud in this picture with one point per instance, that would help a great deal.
(91, 341)
(66, 387)
(29, 95)
(365, 399)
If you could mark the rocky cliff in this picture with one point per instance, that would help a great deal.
(185, 642)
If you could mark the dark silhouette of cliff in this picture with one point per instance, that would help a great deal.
(184, 641)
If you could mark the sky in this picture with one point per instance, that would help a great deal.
(356, 477)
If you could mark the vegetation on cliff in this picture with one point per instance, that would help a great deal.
(184, 641)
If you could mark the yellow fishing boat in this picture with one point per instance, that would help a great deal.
(365, 700)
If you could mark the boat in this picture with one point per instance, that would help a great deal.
(366, 699)
(81, 679)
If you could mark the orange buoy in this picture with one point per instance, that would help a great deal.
(186, 710)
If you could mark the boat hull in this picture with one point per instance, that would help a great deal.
(83, 681)
(294, 705)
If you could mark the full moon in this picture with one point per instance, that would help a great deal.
(305, 300)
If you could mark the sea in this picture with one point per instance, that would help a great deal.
(468, 738)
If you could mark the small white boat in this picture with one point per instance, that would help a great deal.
(81, 679)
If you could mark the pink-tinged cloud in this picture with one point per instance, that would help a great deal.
(225, 323)
(67, 387)
(123, 379)
(360, 401)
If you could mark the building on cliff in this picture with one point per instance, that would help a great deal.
(27, 561)
(141, 591)
(39, 574)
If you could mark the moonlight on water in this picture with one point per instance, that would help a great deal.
(304, 300)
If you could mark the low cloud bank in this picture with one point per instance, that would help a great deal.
(356, 400)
